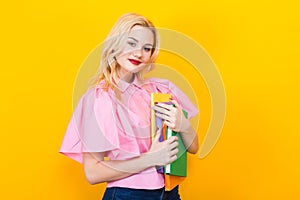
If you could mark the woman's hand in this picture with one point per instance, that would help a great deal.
(173, 116)
(163, 153)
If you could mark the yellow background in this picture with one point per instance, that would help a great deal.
(254, 44)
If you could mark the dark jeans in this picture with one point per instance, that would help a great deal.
(117, 193)
(172, 195)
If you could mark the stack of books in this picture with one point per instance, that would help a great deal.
(175, 172)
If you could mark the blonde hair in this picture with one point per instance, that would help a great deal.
(114, 42)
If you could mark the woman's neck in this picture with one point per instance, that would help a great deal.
(126, 76)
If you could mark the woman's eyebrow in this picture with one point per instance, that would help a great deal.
(138, 41)
(133, 39)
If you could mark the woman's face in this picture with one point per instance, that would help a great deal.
(137, 51)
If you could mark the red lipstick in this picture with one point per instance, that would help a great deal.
(135, 62)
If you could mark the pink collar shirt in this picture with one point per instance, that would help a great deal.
(120, 127)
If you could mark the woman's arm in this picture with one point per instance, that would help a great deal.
(98, 170)
(190, 139)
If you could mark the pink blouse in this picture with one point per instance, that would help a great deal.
(120, 128)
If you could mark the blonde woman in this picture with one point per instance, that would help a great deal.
(109, 131)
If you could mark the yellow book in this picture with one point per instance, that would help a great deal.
(156, 98)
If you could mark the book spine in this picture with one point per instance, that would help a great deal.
(168, 134)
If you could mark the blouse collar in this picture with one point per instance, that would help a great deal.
(123, 85)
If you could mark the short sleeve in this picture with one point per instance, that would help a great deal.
(84, 133)
(183, 100)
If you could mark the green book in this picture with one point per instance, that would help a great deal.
(179, 166)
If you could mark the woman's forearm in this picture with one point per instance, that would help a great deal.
(98, 170)
(190, 140)
(111, 170)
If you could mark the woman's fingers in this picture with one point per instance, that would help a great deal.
(173, 145)
(157, 136)
(164, 106)
(170, 124)
(176, 103)
(172, 115)
(164, 152)
(174, 156)
(173, 149)
(163, 116)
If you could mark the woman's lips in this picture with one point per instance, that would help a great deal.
(135, 62)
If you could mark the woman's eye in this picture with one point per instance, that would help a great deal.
(132, 44)
(147, 49)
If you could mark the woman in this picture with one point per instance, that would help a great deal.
(112, 119)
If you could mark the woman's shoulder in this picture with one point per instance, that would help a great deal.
(159, 82)
(95, 92)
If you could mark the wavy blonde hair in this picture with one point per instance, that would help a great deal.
(113, 47)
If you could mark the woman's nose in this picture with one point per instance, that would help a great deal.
(137, 53)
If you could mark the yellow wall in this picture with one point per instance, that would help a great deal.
(255, 45)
